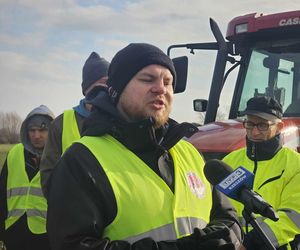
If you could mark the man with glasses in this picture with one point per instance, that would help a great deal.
(276, 172)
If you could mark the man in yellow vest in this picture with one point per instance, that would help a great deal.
(276, 174)
(23, 207)
(66, 128)
(132, 182)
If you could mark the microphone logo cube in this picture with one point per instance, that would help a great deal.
(233, 182)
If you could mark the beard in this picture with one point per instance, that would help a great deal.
(132, 114)
(160, 119)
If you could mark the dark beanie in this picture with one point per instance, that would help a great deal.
(130, 60)
(95, 68)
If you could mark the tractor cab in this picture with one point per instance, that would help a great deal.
(265, 50)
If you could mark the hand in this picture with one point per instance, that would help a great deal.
(90, 243)
(106, 244)
(253, 242)
(215, 231)
(214, 236)
(219, 230)
(189, 243)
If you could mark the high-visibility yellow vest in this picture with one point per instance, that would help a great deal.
(24, 196)
(146, 206)
(70, 131)
(278, 181)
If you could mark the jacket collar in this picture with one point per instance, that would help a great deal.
(265, 150)
(136, 136)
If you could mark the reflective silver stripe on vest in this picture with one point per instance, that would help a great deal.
(23, 191)
(29, 212)
(15, 213)
(268, 231)
(36, 191)
(186, 226)
(36, 212)
(293, 215)
(16, 191)
(166, 232)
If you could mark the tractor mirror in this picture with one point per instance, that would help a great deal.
(181, 67)
(200, 105)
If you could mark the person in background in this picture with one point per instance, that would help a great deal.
(23, 207)
(277, 174)
(131, 181)
(66, 128)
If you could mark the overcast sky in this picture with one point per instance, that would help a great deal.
(44, 43)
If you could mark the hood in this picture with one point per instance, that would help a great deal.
(41, 110)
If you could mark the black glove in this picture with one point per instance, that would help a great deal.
(90, 243)
(220, 230)
(189, 243)
(106, 244)
(214, 236)
(145, 244)
(252, 241)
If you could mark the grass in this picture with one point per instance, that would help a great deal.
(4, 148)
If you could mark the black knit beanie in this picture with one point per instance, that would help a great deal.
(130, 60)
(95, 68)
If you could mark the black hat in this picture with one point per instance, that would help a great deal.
(130, 60)
(264, 107)
(95, 68)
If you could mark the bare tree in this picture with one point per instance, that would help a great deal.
(222, 114)
(10, 124)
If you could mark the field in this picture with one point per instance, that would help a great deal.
(3, 152)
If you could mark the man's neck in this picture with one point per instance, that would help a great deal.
(264, 150)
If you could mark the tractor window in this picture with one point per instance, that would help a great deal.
(271, 74)
(285, 82)
(256, 78)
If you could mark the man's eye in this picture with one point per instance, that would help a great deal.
(166, 83)
(146, 79)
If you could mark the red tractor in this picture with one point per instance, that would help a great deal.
(265, 50)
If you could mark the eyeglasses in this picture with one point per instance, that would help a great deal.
(261, 126)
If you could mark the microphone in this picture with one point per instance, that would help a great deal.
(237, 185)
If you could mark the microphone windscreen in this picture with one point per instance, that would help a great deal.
(216, 170)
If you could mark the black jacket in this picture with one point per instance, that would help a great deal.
(81, 202)
(53, 148)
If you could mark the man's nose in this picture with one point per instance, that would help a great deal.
(159, 87)
(37, 134)
(255, 130)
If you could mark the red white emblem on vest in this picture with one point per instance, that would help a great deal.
(196, 185)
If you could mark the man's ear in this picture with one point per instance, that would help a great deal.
(279, 126)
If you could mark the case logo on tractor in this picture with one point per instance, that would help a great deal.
(289, 21)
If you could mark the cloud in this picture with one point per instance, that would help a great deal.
(43, 44)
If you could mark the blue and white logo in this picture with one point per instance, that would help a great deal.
(231, 184)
